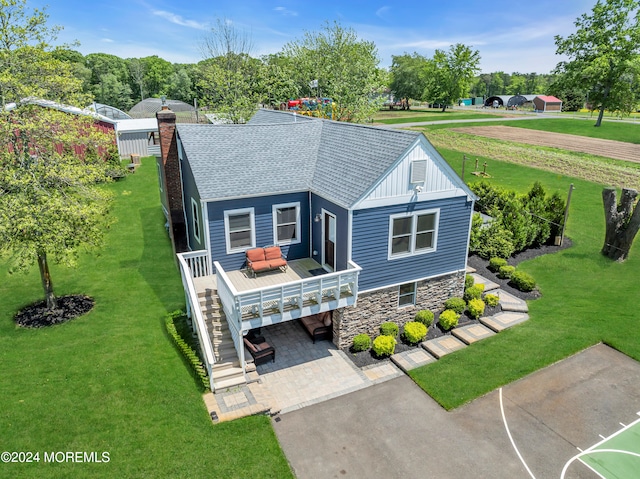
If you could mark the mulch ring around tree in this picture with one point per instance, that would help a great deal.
(69, 307)
(367, 358)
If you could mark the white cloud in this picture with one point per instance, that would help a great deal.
(107, 40)
(382, 11)
(286, 12)
(178, 20)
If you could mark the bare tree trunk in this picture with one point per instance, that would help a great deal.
(622, 222)
(607, 90)
(47, 285)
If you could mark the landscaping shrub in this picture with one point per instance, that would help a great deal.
(523, 281)
(493, 240)
(474, 292)
(361, 342)
(448, 319)
(456, 304)
(187, 351)
(389, 329)
(530, 219)
(384, 345)
(506, 271)
(496, 263)
(468, 281)
(491, 300)
(425, 317)
(476, 308)
(414, 332)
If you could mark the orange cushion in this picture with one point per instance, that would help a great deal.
(272, 252)
(260, 265)
(277, 263)
(256, 254)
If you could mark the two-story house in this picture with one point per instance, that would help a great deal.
(373, 223)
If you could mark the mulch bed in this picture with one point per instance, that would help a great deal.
(368, 358)
(37, 315)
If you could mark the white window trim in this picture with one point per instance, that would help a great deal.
(414, 225)
(226, 229)
(195, 212)
(274, 214)
(414, 294)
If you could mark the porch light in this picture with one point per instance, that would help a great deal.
(318, 217)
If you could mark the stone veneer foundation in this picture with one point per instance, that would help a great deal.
(376, 307)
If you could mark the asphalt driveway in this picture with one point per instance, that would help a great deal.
(395, 430)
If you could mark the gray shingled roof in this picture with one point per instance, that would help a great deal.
(270, 117)
(273, 155)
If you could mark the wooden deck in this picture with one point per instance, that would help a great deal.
(242, 281)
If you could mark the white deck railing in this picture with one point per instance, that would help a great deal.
(197, 262)
(271, 300)
(206, 348)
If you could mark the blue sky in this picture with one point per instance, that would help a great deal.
(511, 35)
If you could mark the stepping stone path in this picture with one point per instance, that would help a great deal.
(504, 320)
(412, 359)
(488, 284)
(472, 333)
(443, 345)
(514, 311)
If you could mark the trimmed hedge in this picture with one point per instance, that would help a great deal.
(474, 292)
(456, 304)
(384, 345)
(523, 281)
(361, 342)
(425, 317)
(496, 263)
(414, 332)
(448, 319)
(389, 329)
(506, 271)
(468, 281)
(476, 308)
(187, 351)
(491, 300)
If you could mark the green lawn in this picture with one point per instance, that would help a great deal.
(586, 299)
(417, 115)
(112, 381)
(609, 130)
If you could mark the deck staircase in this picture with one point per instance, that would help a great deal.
(227, 371)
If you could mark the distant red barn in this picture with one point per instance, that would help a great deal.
(547, 103)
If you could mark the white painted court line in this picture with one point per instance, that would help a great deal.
(506, 426)
(591, 450)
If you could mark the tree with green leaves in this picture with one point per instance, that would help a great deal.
(450, 74)
(601, 54)
(345, 67)
(408, 76)
(229, 76)
(51, 204)
(28, 66)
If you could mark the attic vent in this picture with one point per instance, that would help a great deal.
(418, 171)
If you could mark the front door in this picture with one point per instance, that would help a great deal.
(328, 241)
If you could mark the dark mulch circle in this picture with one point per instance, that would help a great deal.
(37, 315)
(368, 358)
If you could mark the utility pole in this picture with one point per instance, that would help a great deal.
(566, 213)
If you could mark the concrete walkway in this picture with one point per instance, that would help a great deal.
(305, 373)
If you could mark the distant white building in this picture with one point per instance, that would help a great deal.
(137, 136)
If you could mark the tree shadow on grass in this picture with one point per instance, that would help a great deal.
(158, 264)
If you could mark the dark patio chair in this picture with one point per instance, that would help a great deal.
(260, 351)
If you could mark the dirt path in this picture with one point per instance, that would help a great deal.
(618, 150)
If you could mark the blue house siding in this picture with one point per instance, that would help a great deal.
(189, 191)
(371, 242)
(318, 203)
(263, 225)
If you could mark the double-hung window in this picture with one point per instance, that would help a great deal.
(413, 233)
(239, 229)
(195, 212)
(286, 223)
